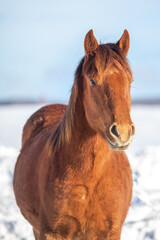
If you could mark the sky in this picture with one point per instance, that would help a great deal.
(42, 42)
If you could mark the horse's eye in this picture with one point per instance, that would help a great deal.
(92, 82)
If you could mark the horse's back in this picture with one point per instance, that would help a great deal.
(45, 116)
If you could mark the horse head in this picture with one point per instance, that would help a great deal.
(106, 90)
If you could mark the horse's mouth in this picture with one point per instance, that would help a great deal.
(118, 148)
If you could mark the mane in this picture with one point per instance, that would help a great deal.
(63, 132)
(112, 51)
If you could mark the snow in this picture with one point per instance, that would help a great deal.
(12, 224)
(143, 220)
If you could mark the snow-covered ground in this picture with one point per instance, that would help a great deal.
(143, 220)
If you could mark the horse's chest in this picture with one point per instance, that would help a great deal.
(93, 206)
(83, 211)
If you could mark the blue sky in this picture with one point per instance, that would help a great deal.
(41, 43)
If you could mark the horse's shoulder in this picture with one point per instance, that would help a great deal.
(120, 162)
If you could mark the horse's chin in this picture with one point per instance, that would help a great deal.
(116, 147)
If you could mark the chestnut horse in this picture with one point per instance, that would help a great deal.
(72, 180)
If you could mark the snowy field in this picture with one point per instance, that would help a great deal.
(143, 220)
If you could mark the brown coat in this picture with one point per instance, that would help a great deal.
(71, 180)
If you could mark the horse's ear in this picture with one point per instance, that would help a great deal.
(90, 43)
(124, 42)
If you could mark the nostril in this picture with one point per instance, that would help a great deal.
(113, 130)
(133, 130)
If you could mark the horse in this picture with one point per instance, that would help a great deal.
(72, 179)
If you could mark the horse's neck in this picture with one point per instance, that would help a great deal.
(81, 130)
(86, 145)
